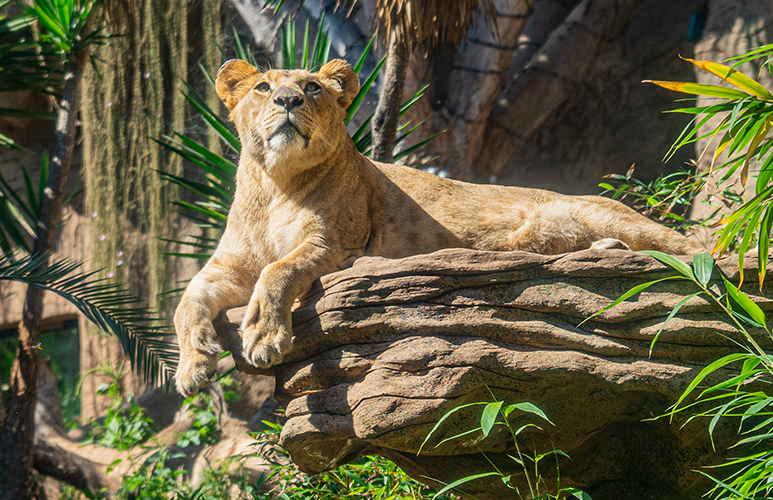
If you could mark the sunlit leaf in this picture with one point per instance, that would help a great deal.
(490, 413)
(703, 265)
(752, 309)
(701, 89)
(630, 293)
(735, 78)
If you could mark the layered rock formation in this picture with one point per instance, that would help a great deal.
(384, 349)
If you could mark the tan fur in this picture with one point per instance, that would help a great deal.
(307, 203)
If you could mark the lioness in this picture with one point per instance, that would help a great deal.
(307, 203)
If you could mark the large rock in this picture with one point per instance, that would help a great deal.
(384, 349)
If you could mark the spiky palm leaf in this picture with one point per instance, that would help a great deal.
(107, 305)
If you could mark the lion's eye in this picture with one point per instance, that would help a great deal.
(312, 87)
(263, 87)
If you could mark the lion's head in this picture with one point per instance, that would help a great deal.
(288, 118)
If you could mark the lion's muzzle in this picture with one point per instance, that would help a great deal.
(288, 98)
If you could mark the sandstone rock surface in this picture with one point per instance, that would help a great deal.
(384, 349)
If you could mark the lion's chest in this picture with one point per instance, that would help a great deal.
(287, 226)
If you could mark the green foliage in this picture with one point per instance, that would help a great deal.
(746, 118)
(105, 304)
(204, 431)
(125, 424)
(492, 412)
(666, 198)
(731, 398)
(63, 23)
(24, 64)
(153, 480)
(28, 61)
(367, 478)
(61, 347)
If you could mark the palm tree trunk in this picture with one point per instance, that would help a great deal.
(388, 108)
(549, 78)
(16, 443)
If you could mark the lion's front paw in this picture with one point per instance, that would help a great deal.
(194, 372)
(266, 343)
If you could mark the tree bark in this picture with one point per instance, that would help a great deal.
(553, 73)
(388, 109)
(464, 85)
(16, 443)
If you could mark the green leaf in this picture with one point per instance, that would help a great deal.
(490, 413)
(705, 372)
(735, 78)
(671, 315)
(672, 262)
(364, 87)
(443, 419)
(457, 436)
(533, 409)
(752, 309)
(630, 293)
(700, 89)
(577, 493)
(462, 481)
(107, 305)
(216, 124)
(763, 245)
(703, 265)
(416, 146)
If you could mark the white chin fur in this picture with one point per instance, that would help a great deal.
(279, 142)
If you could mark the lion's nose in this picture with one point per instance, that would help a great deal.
(287, 98)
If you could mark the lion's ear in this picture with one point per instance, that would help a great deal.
(342, 78)
(234, 79)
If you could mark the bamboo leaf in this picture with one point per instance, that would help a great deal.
(490, 413)
(457, 436)
(577, 493)
(743, 300)
(763, 131)
(672, 262)
(463, 480)
(630, 293)
(533, 409)
(703, 264)
(705, 372)
(670, 316)
(701, 89)
(763, 245)
(735, 78)
(444, 418)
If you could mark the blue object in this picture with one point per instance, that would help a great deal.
(697, 23)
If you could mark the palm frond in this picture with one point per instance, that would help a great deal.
(107, 305)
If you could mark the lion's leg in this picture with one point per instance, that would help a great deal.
(216, 287)
(551, 229)
(607, 218)
(267, 325)
(569, 225)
